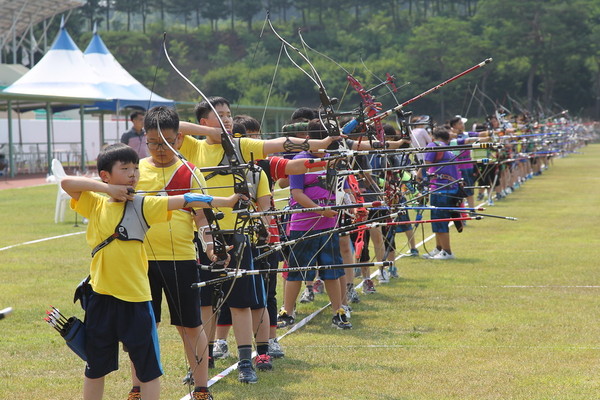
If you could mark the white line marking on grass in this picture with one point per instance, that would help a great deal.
(539, 286)
(303, 322)
(41, 240)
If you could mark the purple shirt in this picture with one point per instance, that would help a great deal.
(443, 174)
(317, 193)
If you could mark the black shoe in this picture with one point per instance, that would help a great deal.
(246, 373)
(284, 320)
(340, 320)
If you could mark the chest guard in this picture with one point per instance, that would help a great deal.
(133, 225)
(252, 174)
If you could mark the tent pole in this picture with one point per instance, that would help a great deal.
(101, 120)
(11, 153)
(82, 115)
(49, 137)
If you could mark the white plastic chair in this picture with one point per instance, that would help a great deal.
(62, 198)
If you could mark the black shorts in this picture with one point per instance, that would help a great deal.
(248, 291)
(109, 321)
(175, 278)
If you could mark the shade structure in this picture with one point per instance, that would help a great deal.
(62, 72)
(67, 72)
(128, 91)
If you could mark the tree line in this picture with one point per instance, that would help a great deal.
(546, 53)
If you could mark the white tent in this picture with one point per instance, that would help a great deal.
(62, 72)
(115, 80)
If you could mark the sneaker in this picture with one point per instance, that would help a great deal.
(262, 362)
(307, 296)
(394, 271)
(368, 287)
(340, 321)
(134, 395)
(357, 272)
(318, 286)
(414, 253)
(220, 350)
(480, 197)
(197, 395)
(490, 202)
(347, 310)
(275, 350)
(351, 295)
(246, 372)
(383, 277)
(188, 379)
(443, 255)
(432, 253)
(284, 320)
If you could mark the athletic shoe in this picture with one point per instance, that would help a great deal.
(262, 362)
(246, 372)
(275, 350)
(318, 286)
(432, 253)
(393, 272)
(383, 277)
(347, 311)
(307, 296)
(351, 295)
(220, 350)
(357, 272)
(188, 379)
(443, 255)
(414, 253)
(480, 197)
(490, 202)
(340, 321)
(368, 287)
(134, 396)
(197, 395)
(284, 320)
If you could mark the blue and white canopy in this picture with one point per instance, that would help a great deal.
(124, 88)
(66, 72)
(62, 72)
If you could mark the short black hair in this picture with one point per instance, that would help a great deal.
(238, 130)
(135, 114)
(389, 130)
(161, 117)
(316, 130)
(441, 132)
(305, 112)
(203, 108)
(250, 123)
(113, 153)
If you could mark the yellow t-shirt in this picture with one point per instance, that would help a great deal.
(202, 154)
(171, 240)
(121, 268)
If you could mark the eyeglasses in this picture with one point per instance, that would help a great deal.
(155, 146)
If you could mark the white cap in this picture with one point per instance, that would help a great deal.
(464, 120)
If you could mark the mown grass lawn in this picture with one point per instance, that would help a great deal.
(513, 317)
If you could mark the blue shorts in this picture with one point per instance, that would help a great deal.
(175, 278)
(322, 250)
(248, 291)
(109, 321)
(404, 227)
(468, 175)
(442, 200)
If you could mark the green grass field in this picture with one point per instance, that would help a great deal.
(514, 317)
